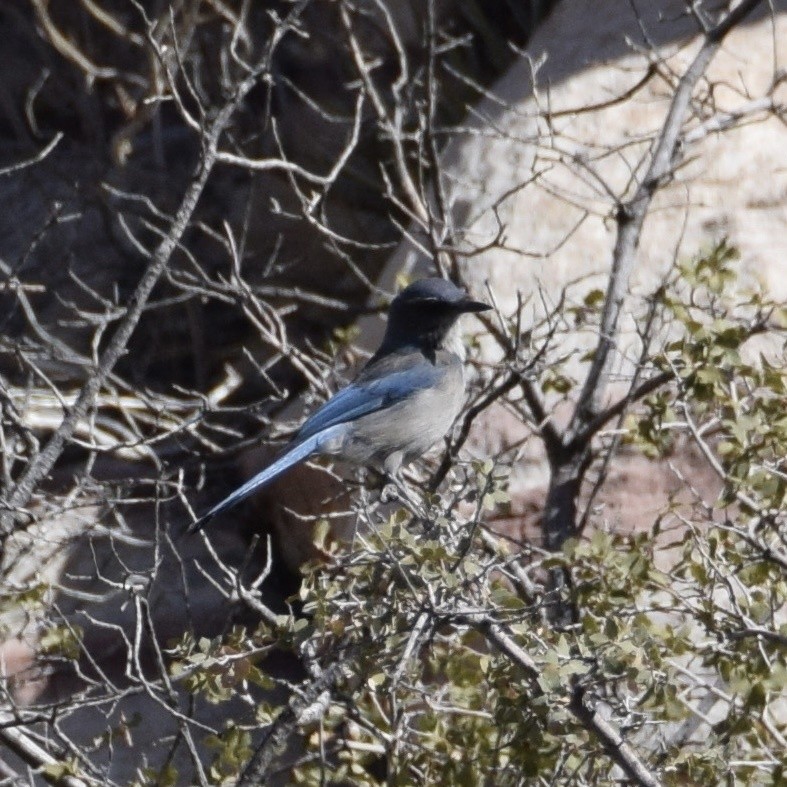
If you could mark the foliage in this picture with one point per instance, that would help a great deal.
(188, 197)
(681, 631)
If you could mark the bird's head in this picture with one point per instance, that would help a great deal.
(424, 313)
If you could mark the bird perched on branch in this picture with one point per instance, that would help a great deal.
(402, 402)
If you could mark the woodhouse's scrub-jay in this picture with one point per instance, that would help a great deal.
(402, 402)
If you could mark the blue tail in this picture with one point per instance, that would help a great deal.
(294, 456)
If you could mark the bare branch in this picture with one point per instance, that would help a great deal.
(35, 756)
(38, 468)
(40, 156)
(631, 215)
(560, 521)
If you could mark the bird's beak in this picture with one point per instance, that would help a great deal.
(469, 305)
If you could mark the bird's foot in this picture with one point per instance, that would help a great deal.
(390, 494)
(395, 491)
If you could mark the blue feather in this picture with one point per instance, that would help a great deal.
(300, 451)
(370, 395)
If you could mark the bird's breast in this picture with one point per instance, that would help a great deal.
(410, 427)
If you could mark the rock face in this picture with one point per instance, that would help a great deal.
(572, 124)
(560, 140)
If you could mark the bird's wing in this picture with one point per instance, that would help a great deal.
(297, 453)
(380, 385)
(371, 393)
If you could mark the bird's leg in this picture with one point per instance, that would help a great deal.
(396, 490)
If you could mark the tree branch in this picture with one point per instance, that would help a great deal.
(35, 756)
(631, 216)
(559, 521)
(619, 751)
(309, 704)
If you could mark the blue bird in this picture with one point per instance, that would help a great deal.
(403, 401)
